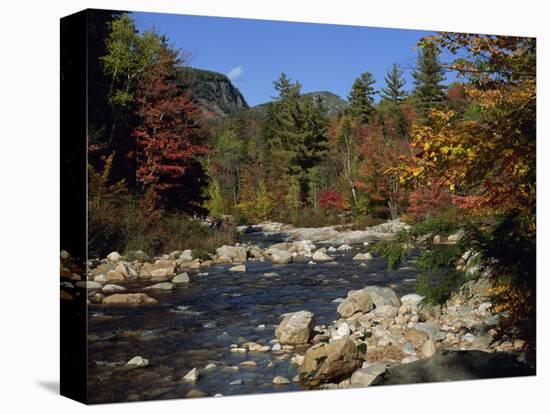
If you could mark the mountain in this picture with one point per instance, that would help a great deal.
(212, 91)
(333, 103)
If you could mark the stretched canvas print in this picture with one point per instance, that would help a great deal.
(254, 206)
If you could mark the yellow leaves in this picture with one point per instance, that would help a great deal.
(426, 146)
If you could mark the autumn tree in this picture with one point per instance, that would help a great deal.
(377, 179)
(361, 98)
(169, 137)
(487, 158)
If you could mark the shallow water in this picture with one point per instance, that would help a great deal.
(195, 325)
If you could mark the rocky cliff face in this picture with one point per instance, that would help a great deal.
(212, 91)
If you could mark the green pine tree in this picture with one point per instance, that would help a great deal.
(361, 98)
(429, 92)
(394, 91)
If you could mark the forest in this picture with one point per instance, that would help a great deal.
(446, 158)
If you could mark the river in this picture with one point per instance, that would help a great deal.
(195, 324)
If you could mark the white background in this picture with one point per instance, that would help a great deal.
(29, 203)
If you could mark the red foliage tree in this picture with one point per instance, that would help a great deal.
(331, 200)
(429, 199)
(377, 179)
(169, 136)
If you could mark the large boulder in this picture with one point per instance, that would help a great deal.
(129, 299)
(295, 328)
(229, 254)
(281, 256)
(382, 296)
(331, 361)
(357, 301)
(162, 270)
(113, 275)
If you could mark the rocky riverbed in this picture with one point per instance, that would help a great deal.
(276, 312)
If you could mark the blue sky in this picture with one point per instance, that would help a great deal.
(254, 52)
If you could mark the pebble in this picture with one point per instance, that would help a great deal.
(191, 376)
(138, 362)
(249, 364)
(280, 380)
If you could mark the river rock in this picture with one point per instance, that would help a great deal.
(365, 376)
(126, 270)
(185, 256)
(101, 278)
(363, 256)
(431, 329)
(385, 311)
(302, 247)
(255, 347)
(114, 257)
(110, 288)
(295, 328)
(411, 299)
(428, 348)
(280, 380)
(129, 299)
(382, 296)
(280, 256)
(358, 301)
(192, 376)
(88, 284)
(321, 256)
(344, 248)
(113, 275)
(325, 362)
(417, 338)
(138, 362)
(343, 330)
(181, 278)
(238, 268)
(229, 254)
(161, 286)
(196, 394)
(64, 255)
(162, 270)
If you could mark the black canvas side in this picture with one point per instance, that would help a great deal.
(73, 315)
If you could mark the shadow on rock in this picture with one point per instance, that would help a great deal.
(455, 365)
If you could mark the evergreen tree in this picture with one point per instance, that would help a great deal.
(295, 129)
(394, 91)
(429, 92)
(361, 98)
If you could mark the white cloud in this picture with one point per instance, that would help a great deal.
(235, 73)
